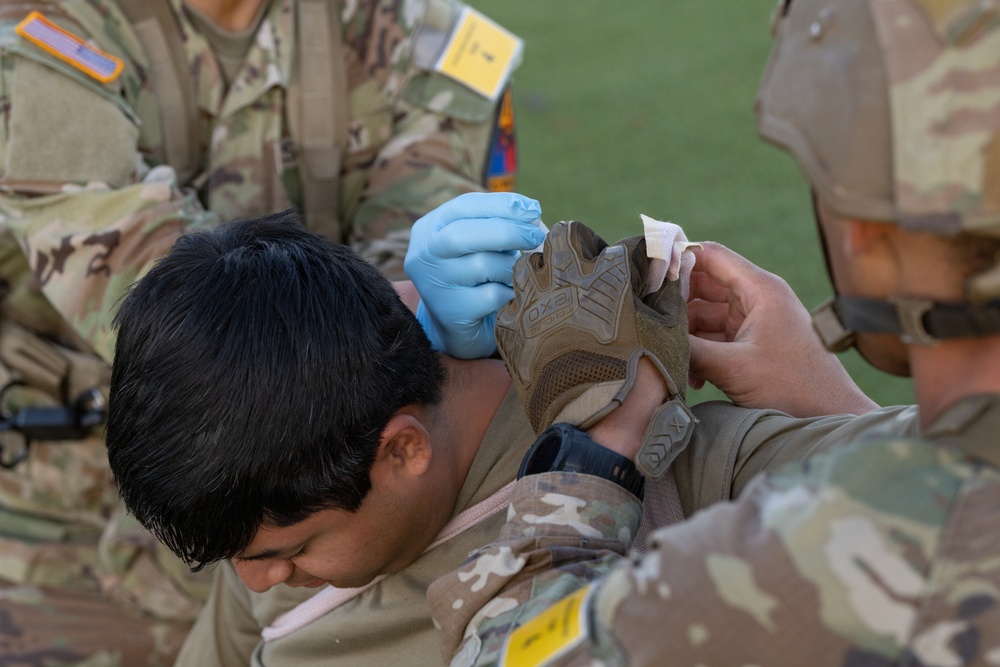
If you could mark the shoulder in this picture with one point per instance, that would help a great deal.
(71, 66)
(890, 480)
(401, 44)
(875, 528)
(28, 29)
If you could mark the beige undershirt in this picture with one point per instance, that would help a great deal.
(230, 48)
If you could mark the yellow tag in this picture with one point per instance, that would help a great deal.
(69, 48)
(480, 54)
(550, 635)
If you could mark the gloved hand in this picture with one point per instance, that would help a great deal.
(460, 260)
(577, 327)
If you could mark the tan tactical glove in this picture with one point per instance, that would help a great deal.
(573, 335)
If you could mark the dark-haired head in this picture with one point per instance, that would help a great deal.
(256, 366)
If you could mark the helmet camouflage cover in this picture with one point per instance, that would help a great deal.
(891, 107)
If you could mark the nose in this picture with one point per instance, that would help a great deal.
(260, 575)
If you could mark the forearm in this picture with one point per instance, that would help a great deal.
(732, 445)
(554, 543)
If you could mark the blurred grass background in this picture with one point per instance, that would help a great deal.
(647, 107)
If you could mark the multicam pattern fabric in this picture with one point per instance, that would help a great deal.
(941, 61)
(87, 209)
(880, 553)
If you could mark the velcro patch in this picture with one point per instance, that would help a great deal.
(69, 48)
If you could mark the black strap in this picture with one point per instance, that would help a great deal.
(919, 320)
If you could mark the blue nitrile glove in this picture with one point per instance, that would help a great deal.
(460, 260)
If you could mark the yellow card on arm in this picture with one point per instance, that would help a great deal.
(480, 54)
(550, 635)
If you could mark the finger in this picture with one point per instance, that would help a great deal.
(704, 286)
(706, 355)
(485, 300)
(724, 266)
(707, 317)
(522, 274)
(475, 269)
(714, 336)
(489, 205)
(495, 234)
(709, 352)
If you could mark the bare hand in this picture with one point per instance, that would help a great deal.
(752, 338)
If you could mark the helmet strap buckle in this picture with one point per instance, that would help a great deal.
(910, 312)
(828, 324)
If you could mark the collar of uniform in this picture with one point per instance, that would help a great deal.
(971, 425)
(268, 62)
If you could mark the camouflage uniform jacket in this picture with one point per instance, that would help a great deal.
(87, 204)
(881, 552)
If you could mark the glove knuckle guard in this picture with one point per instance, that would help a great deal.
(573, 335)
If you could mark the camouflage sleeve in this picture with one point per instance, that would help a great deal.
(441, 131)
(820, 560)
(563, 531)
(82, 216)
(84, 248)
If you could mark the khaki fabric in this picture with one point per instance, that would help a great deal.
(390, 624)
(732, 445)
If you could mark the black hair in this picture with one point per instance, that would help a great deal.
(256, 366)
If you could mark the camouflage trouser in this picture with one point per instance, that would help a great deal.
(57, 628)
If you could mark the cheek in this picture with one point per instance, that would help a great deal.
(346, 559)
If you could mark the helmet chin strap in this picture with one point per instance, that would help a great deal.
(915, 321)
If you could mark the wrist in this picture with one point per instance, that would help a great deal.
(565, 448)
(622, 430)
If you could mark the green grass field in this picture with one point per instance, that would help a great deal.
(647, 107)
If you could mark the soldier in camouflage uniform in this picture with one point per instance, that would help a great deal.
(882, 551)
(122, 125)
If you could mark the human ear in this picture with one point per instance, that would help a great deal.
(405, 444)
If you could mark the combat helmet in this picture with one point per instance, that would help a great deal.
(892, 110)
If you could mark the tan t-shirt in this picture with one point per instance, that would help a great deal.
(390, 623)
